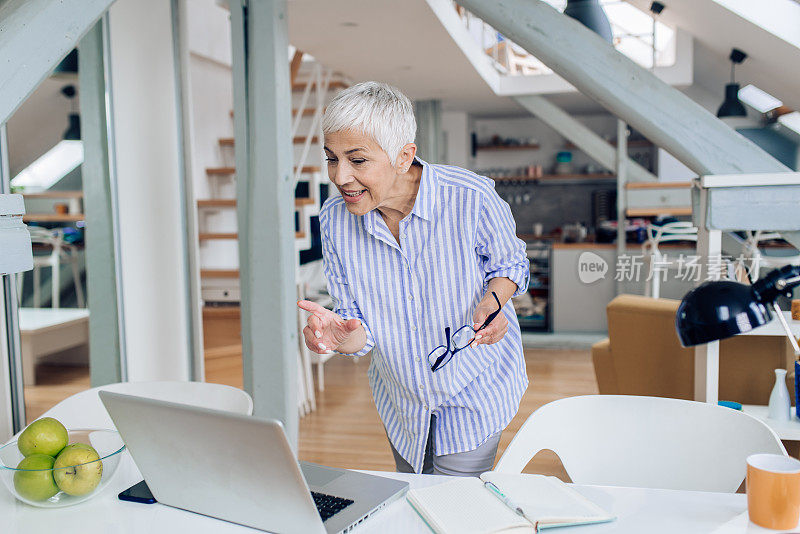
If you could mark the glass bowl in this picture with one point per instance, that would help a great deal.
(81, 477)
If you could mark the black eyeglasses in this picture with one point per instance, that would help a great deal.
(463, 338)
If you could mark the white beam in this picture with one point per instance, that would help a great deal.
(106, 331)
(709, 249)
(265, 189)
(584, 138)
(12, 399)
(663, 114)
(429, 129)
(623, 172)
(34, 38)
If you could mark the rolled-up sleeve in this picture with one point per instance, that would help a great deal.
(343, 302)
(503, 253)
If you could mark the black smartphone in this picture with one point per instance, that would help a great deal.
(138, 493)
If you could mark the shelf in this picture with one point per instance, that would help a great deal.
(54, 194)
(298, 140)
(507, 147)
(205, 236)
(224, 171)
(219, 273)
(231, 202)
(654, 212)
(53, 217)
(658, 185)
(333, 84)
(307, 112)
(635, 143)
(788, 430)
(555, 178)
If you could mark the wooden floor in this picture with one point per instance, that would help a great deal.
(345, 430)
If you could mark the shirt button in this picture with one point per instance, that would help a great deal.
(410, 297)
(418, 358)
(403, 235)
(425, 407)
(413, 328)
(421, 386)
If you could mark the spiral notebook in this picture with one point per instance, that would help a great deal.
(466, 505)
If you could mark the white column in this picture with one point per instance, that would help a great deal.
(265, 188)
(706, 357)
(147, 149)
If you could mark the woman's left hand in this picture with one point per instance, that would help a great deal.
(494, 331)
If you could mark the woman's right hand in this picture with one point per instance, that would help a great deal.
(326, 331)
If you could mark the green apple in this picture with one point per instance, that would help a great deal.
(78, 469)
(43, 436)
(36, 482)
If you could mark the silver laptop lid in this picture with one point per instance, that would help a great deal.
(229, 466)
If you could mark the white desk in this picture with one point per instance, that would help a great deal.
(789, 430)
(47, 330)
(638, 511)
(774, 327)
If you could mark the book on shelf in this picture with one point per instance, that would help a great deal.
(503, 503)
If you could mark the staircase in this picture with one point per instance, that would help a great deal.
(312, 88)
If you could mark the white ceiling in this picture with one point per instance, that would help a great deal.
(772, 63)
(404, 44)
(401, 43)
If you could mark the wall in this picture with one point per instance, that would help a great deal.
(551, 205)
(39, 123)
(456, 138)
(580, 307)
(147, 164)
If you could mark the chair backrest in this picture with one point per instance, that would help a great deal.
(52, 238)
(645, 356)
(85, 410)
(649, 442)
(663, 233)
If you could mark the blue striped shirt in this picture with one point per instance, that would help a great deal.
(459, 235)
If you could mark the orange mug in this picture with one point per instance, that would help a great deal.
(773, 491)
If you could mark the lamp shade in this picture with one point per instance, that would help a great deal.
(731, 106)
(718, 310)
(73, 131)
(590, 14)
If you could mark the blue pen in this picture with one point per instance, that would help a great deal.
(511, 504)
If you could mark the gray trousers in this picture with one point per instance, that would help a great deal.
(464, 464)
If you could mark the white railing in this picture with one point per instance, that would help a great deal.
(633, 36)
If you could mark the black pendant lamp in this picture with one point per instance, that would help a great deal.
(73, 131)
(590, 14)
(732, 106)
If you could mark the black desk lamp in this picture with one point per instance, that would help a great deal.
(723, 308)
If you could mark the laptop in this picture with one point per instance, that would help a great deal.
(241, 469)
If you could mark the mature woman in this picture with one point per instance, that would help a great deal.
(421, 261)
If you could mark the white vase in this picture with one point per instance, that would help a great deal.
(780, 405)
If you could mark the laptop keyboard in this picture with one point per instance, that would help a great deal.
(328, 505)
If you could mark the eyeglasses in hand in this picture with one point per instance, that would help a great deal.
(462, 338)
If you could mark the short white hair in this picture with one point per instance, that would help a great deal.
(377, 110)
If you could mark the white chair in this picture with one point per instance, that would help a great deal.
(658, 262)
(757, 259)
(650, 442)
(85, 410)
(60, 252)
